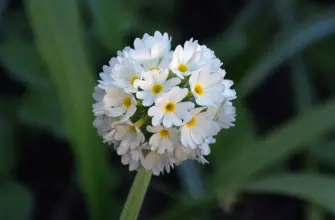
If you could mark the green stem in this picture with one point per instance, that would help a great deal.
(136, 195)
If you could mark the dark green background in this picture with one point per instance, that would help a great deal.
(278, 162)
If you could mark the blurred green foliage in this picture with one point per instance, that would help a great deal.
(52, 51)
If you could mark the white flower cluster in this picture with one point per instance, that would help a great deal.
(159, 107)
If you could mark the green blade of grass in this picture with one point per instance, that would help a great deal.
(254, 157)
(315, 188)
(292, 43)
(291, 138)
(59, 37)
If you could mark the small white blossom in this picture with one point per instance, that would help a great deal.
(163, 139)
(169, 110)
(153, 52)
(195, 131)
(129, 136)
(226, 115)
(208, 58)
(186, 60)
(157, 162)
(117, 103)
(154, 84)
(125, 74)
(206, 87)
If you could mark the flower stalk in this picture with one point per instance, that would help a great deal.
(136, 195)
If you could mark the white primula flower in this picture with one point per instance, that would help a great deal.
(153, 52)
(204, 147)
(228, 93)
(169, 110)
(156, 162)
(206, 87)
(129, 135)
(117, 103)
(104, 125)
(200, 127)
(226, 114)
(125, 74)
(132, 158)
(154, 84)
(98, 95)
(182, 153)
(208, 58)
(186, 60)
(163, 139)
(106, 76)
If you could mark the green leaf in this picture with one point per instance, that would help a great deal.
(314, 188)
(324, 153)
(254, 156)
(8, 115)
(6, 144)
(285, 141)
(59, 37)
(42, 110)
(110, 19)
(16, 202)
(136, 195)
(23, 63)
(291, 44)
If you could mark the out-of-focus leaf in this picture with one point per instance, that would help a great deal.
(111, 19)
(59, 37)
(324, 154)
(42, 110)
(16, 201)
(229, 141)
(8, 115)
(191, 179)
(6, 144)
(292, 43)
(315, 188)
(257, 156)
(235, 40)
(23, 63)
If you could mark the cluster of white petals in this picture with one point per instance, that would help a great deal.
(159, 107)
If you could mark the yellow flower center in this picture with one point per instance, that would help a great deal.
(198, 89)
(132, 80)
(156, 89)
(164, 133)
(170, 107)
(191, 123)
(127, 101)
(132, 128)
(154, 68)
(182, 68)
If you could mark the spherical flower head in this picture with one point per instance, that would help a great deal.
(158, 108)
(153, 84)
(169, 109)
